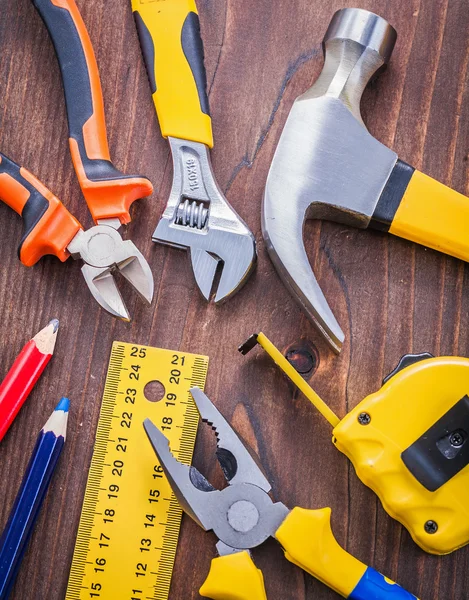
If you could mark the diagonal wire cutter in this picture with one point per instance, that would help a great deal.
(243, 516)
(48, 227)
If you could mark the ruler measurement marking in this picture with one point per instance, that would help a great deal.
(86, 524)
(98, 498)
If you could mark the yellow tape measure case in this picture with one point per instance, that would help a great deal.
(129, 526)
(409, 443)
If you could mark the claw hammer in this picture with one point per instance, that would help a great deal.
(328, 166)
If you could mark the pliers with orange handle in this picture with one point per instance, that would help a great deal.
(49, 227)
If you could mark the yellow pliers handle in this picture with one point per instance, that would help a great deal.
(308, 542)
(234, 577)
(307, 539)
(172, 48)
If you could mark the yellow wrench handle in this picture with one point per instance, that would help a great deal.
(234, 577)
(307, 539)
(434, 215)
(173, 52)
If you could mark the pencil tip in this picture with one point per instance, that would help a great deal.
(55, 325)
(64, 405)
(57, 422)
(46, 338)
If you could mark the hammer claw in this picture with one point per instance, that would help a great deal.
(283, 238)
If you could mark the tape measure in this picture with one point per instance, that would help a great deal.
(129, 526)
(408, 442)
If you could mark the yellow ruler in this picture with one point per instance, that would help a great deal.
(129, 525)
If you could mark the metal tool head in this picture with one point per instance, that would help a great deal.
(327, 165)
(199, 218)
(104, 252)
(241, 515)
(238, 463)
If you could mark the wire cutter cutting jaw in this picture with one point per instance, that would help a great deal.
(104, 252)
(199, 218)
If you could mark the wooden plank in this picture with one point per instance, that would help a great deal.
(390, 296)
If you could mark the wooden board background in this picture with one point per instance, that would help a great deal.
(390, 296)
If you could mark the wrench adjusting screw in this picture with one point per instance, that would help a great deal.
(192, 214)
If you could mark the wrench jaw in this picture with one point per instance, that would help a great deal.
(204, 267)
(198, 218)
(104, 252)
(233, 254)
(238, 253)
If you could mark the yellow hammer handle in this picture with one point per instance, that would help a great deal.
(234, 577)
(173, 52)
(307, 539)
(433, 215)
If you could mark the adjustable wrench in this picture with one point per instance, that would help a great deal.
(197, 216)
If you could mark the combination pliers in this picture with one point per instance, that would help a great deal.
(243, 516)
(48, 226)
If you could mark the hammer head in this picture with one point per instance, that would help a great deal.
(327, 165)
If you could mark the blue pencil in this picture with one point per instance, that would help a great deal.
(31, 495)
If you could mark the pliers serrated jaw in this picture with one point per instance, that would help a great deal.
(242, 515)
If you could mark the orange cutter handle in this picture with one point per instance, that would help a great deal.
(108, 192)
(48, 226)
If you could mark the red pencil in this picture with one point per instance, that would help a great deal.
(24, 373)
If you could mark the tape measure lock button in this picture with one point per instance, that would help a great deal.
(406, 361)
(442, 451)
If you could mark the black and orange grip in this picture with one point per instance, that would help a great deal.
(48, 226)
(108, 192)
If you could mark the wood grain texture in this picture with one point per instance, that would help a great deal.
(390, 296)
